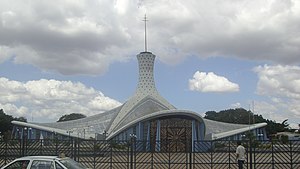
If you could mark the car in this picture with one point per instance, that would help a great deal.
(43, 162)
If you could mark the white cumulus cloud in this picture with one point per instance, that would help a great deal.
(281, 85)
(210, 82)
(279, 81)
(48, 100)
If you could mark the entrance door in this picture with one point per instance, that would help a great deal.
(176, 135)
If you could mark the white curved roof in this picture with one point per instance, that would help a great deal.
(86, 126)
(145, 104)
(153, 115)
(217, 130)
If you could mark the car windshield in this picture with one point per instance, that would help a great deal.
(71, 164)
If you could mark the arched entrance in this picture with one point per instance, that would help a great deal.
(171, 134)
(166, 133)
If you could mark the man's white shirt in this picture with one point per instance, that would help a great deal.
(240, 150)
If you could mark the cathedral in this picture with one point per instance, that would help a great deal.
(146, 116)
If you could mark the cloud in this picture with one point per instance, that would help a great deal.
(279, 81)
(235, 105)
(48, 100)
(256, 30)
(85, 37)
(279, 111)
(209, 82)
(281, 85)
(65, 36)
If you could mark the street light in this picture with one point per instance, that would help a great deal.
(69, 132)
(18, 133)
(24, 133)
(260, 136)
(132, 144)
(105, 134)
(132, 138)
(54, 135)
(88, 131)
(29, 132)
(132, 135)
(94, 130)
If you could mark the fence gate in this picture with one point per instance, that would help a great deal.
(140, 155)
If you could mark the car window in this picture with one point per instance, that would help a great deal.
(40, 164)
(71, 164)
(58, 166)
(21, 164)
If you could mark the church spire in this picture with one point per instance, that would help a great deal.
(145, 20)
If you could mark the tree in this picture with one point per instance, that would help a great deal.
(73, 116)
(238, 116)
(5, 122)
(22, 119)
(242, 116)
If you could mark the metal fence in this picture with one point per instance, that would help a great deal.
(139, 154)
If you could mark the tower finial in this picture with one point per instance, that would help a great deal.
(145, 20)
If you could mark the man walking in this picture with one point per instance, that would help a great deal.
(240, 154)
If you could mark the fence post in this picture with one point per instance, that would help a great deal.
(5, 154)
(132, 147)
(111, 152)
(272, 154)
(211, 154)
(152, 161)
(169, 155)
(23, 146)
(191, 155)
(94, 153)
(229, 152)
(291, 153)
(131, 152)
(251, 161)
(77, 148)
(56, 146)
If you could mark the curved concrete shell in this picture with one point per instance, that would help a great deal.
(146, 114)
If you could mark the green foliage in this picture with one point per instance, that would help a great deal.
(5, 122)
(254, 143)
(238, 116)
(284, 139)
(73, 116)
(22, 119)
(6, 125)
(242, 116)
(119, 146)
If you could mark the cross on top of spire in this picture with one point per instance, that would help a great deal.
(145, 20)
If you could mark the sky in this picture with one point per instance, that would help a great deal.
(71, 56)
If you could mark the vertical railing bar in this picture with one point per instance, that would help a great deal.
(94, 152)
(211, 155)
(152, 161)
(291, 153)
(5, 153)
(253, 159)
(169, 157)
(229, 153)
(272, 154)
(251, 151)
(110, 145)
(191, 155)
